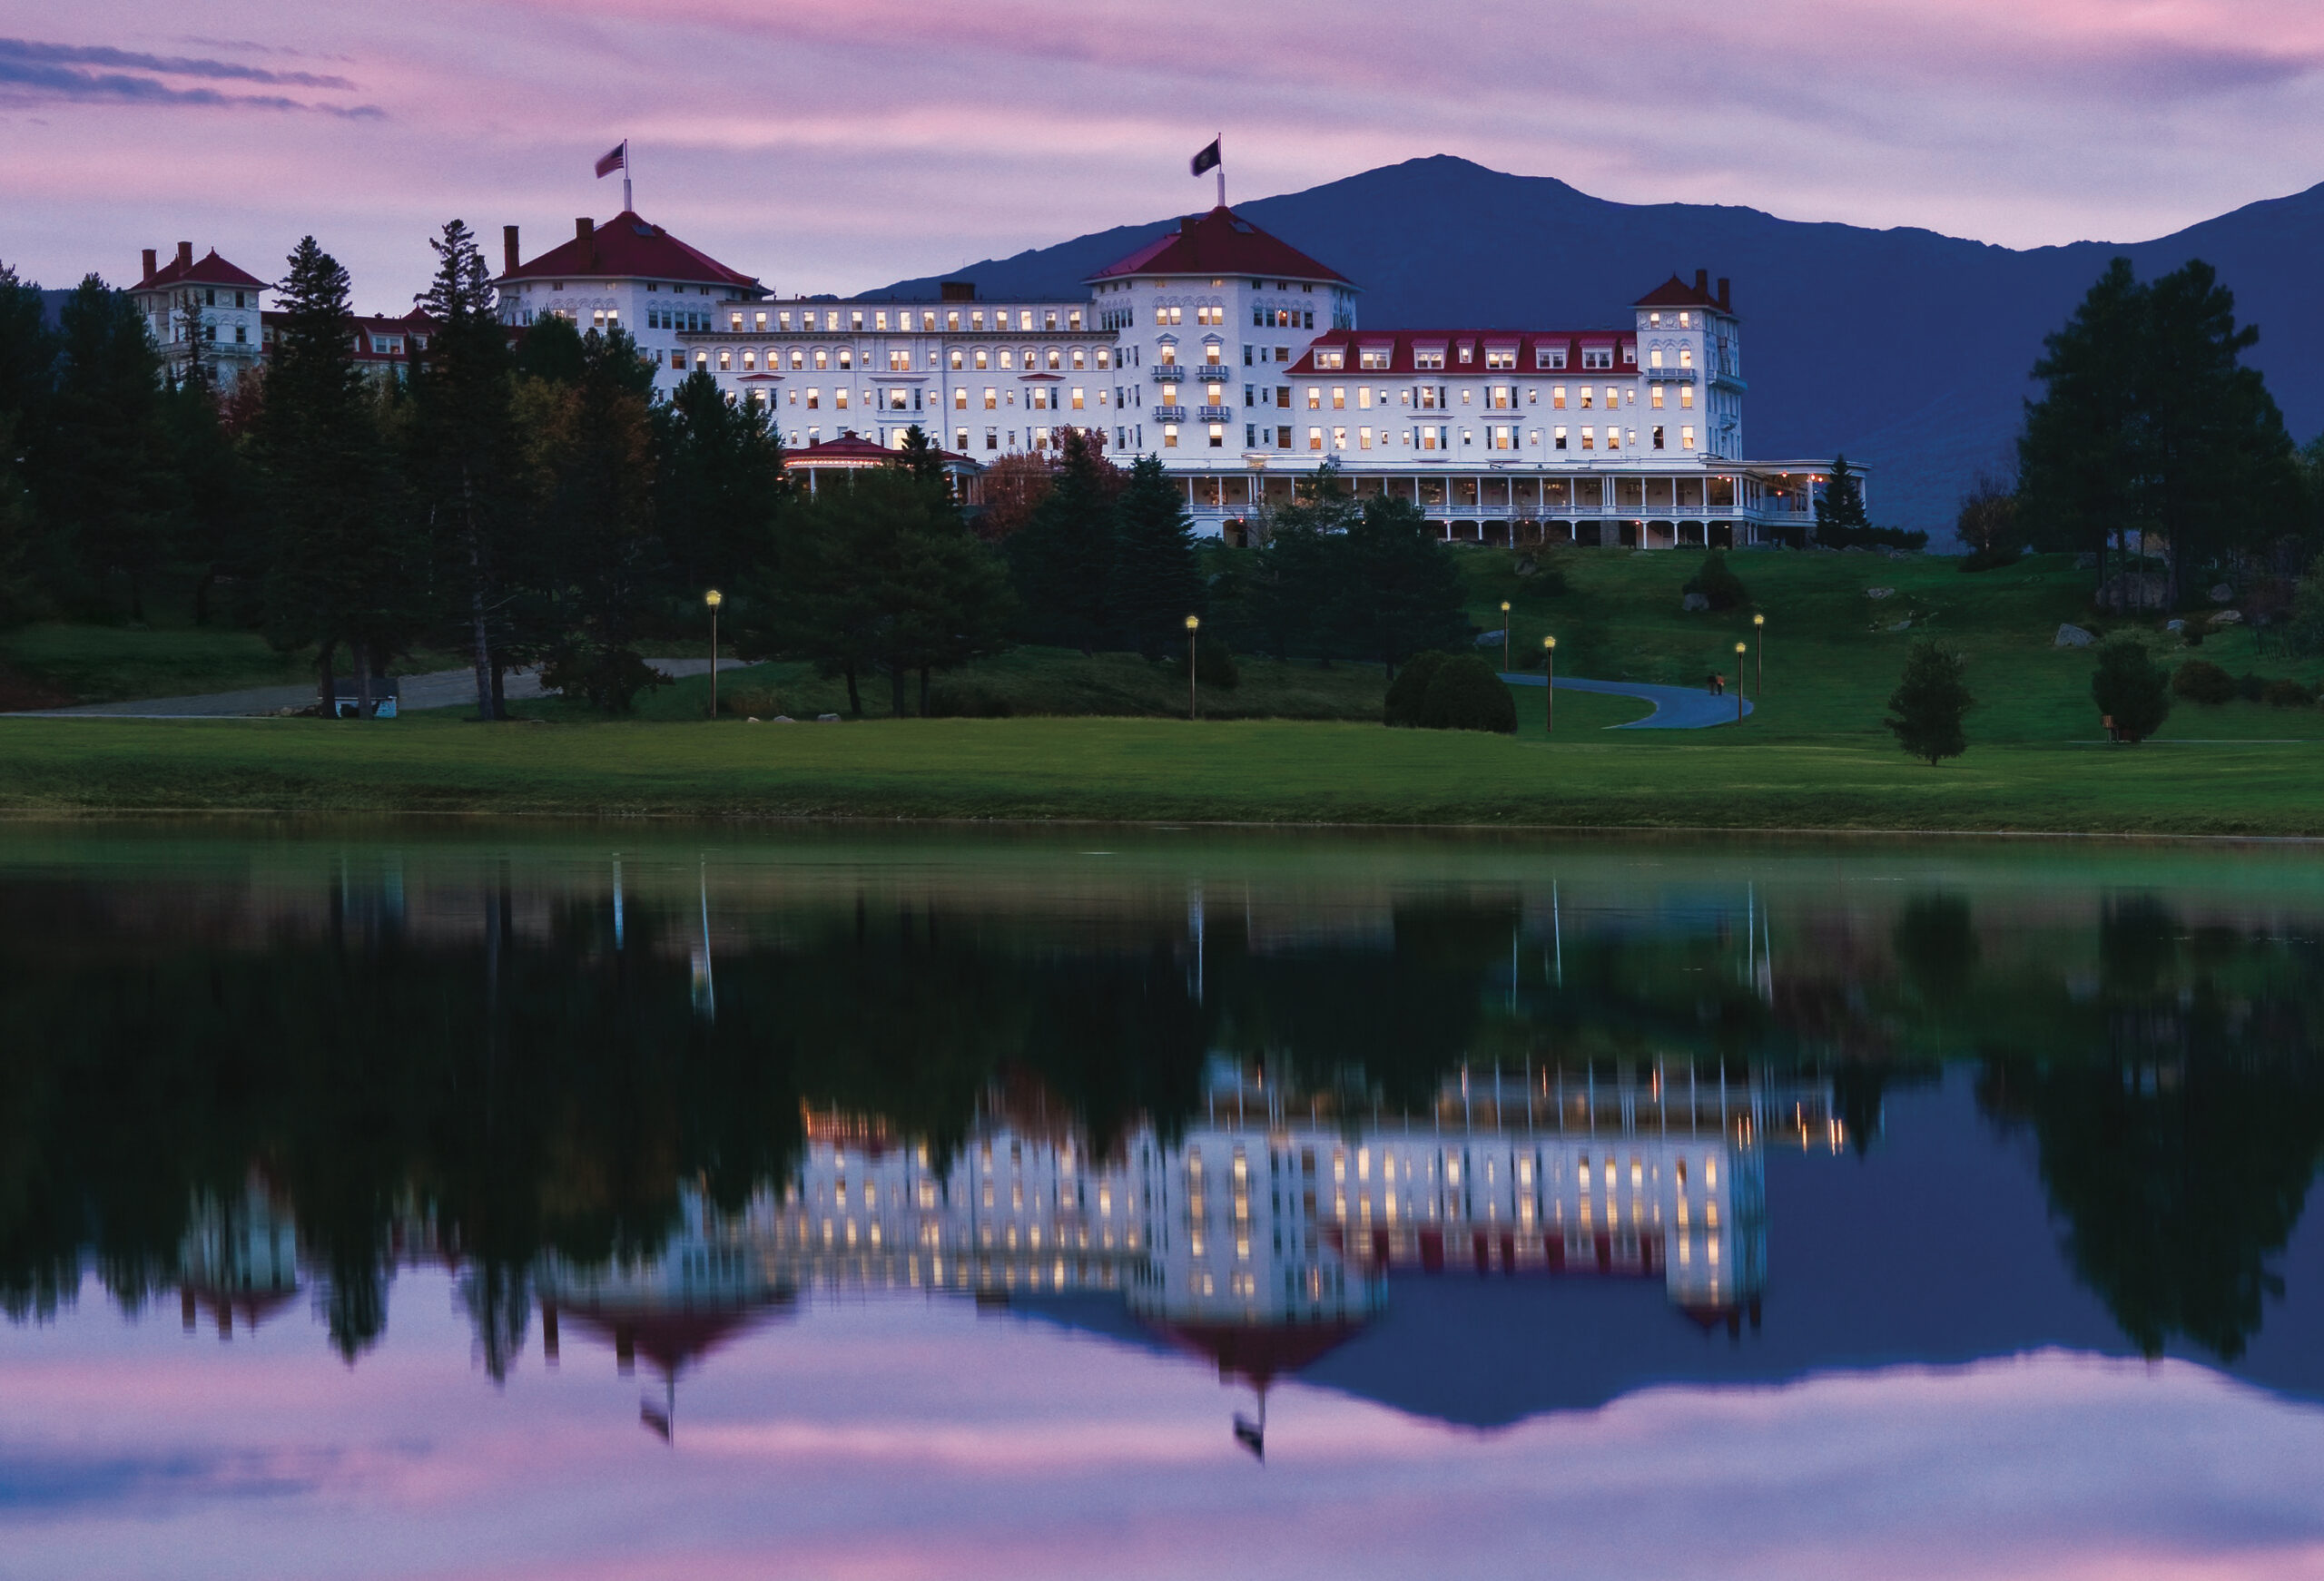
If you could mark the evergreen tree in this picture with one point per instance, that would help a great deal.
(1840, 518)
(1398, 592)
(1061, 559)
(213, 505)
(101, 467)
(2149, 422)
(341, 570)
(607, 569)
(462, 450)
(1285, 595)
(27, 371)
(1154, 581)
(2132, 688)
(720, 484)
(1926, 710)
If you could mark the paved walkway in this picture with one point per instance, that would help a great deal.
(436, 689)
(1675, 707)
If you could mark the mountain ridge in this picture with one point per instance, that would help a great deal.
(1909, 349)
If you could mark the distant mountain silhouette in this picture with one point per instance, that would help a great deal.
(1907, 350)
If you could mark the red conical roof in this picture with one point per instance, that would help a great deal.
(1219, 243)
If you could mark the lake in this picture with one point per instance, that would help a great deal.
(453, 1200)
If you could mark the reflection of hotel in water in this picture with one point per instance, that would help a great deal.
(1269, 1212)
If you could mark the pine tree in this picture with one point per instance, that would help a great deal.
(2131, 688)
(1398, 591)
(27, 373)
(1061, 559)
(340, 569)
(1155, 581)
(212, 511)
(462, 450)
(720, 484)
(1840, 518)
(102, 477)
(1926, 710)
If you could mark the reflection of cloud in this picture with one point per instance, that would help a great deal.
(31, 71)
(53, 1481)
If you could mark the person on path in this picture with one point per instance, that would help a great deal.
(1718, 685)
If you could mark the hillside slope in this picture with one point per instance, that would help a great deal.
(1905, 348)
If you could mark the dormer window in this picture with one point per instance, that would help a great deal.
(1549, 357)
(1501, 357)
(1428, 356)
(1466, 353)
(1630, 355)
(1597, 356)
(1336, 357)
(1686, 321)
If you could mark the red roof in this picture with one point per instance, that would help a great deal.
(628, 248)
(1219, 243)
(1675, 292)
(1260, 1353)
(1528, 345)
(851, 449)
(208, 269)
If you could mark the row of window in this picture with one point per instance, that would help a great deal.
(1497, 358)
(1494, 396)
(1055, 359)
(903, 320)
(1438, 437)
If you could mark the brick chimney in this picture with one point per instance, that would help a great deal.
(185, 255)
(1722, 295)
(1702, 283)
(149, 263)
(508, 250)
(585, 231)
(960, 291)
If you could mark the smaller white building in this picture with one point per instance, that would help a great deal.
(203, 312)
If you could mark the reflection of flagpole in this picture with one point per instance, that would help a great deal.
(1194, 916)
(705, 989)
(1557, 931)
(617, 920)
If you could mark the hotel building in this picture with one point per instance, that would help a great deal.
(1241, 363)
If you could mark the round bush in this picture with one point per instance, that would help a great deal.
(2200, 681)
(1718, 583)
(1410, 689)
(1465, 694)
(2288, 694)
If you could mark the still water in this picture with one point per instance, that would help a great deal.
(608, 1202)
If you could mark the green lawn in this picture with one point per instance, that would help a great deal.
(1152, 770)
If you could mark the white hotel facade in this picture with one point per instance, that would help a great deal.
(1241, 363)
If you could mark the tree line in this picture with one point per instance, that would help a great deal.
(526, 501)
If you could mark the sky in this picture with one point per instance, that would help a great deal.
(839, 144)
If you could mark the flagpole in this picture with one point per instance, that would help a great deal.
(628, 205)
(1222, 169)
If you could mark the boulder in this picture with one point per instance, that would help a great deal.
(1694, 603)
(782, 719)
(827, 719)
(2222, 594)
(2074, 636)
(1902, 626)
(1487, 638)
(1880, 593)
(2228, 617)
(2175, 625)
(1527, 565)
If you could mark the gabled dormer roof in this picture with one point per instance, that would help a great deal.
(627, 247)
(1220, 243)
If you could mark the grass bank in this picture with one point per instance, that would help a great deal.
(1155, 769)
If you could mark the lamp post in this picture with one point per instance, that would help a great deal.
(1550, 684)
(714, 598)
(1504, 633)
(1194, 624)
(1760, 654)
(1739, 684)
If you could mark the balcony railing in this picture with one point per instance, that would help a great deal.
(1671, 374)
(1169, 414)
(1173, 372)
(1214, 414)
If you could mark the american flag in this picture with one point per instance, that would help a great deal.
(615, 160)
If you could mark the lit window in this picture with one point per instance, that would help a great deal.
(1169, 435)
(750, 360)
(1589, 397)
(798, 357)
(847, 356)
(982, 357)
(879, 320)
(1504, 358)
(1314, 397)
(855, 319)
(1589, 439)
(1007, 357)
(1654, 359)
(1686, 439)
(1314, 438)
(1376, 356)
(1025, 319)
(1597, 356)
(814, 400)
(1686, 357)
(1326, 360)
(782, 320)
(839, 400)
(1686, 398)
(1686, 321)
(1364, 438)
(1654, 397)
(1218, 435)
(960, 400)
(734, 322)
(1431, 357)
(725, 361)
(1105, 357)
(1657, 438)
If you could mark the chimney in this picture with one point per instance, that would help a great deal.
(960, 291)
(1702, 283)
(185, 255)
(585, 230)
(508, 250)
(1722, 296)
(1186, 221)
(149, 263)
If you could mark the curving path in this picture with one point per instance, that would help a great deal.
(1675, 707)
(434, 689)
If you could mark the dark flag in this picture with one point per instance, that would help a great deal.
(1208, 159)
(618, 158)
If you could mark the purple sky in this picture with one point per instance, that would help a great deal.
(900, 1439)
(828, 144)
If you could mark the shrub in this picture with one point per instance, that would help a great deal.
(1465, 694)
(967, 700)
(1990, 559)
(1929, 703)
(2202, 682)
(1717, 582)
(1410, 689)
(2132, 688)
(2289, 694)
(1215, 663)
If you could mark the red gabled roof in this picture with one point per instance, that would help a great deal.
(628, 248)
(1221, 242)
(1527, 344)
(1675, 292)
(208, 269)
(851, 449)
